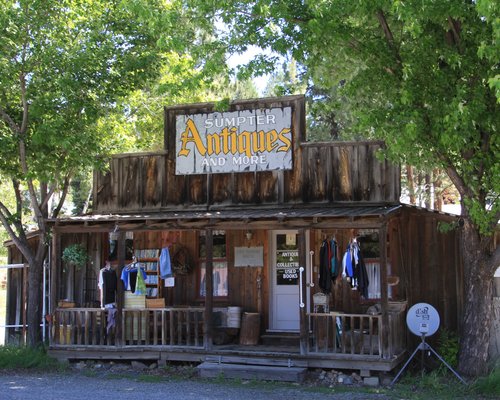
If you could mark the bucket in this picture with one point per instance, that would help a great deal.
(233, 317)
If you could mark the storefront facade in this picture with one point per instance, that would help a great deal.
(256, 222)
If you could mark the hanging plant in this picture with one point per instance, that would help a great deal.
(75, 255)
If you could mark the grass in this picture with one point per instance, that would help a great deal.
(439, 385)
(20, 357)
(488, 385)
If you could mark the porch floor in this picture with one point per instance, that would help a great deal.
(245, 354)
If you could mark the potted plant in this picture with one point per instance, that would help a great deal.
(74, 258)
(75, 255)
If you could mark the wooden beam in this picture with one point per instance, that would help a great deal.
(304, 330)
(120, 294)
(209, 289)
(383, 291)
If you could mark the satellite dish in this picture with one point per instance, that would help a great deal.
(422, 319)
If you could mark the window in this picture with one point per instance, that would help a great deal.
(113, 246)
(370, 249)
(219, 264)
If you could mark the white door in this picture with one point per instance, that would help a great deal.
(285, 315)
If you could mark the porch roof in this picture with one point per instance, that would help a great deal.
(359, 216)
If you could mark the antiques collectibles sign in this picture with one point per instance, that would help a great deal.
(240, 141)
(287, 267)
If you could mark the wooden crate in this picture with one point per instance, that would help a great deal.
(155, 303)
(134, 301)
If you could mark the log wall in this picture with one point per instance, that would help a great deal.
(322, 173)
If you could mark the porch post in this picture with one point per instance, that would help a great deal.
(209, 290)
(383, 291)
(121, 250)
(55, 258)
(303, 292)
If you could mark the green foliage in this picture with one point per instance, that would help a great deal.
(75, 255)
(13, 357)
(433, 385)
(448, 347)
(488, 385)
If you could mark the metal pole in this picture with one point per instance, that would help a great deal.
(44, 306)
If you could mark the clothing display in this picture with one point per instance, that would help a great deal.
(108, 283)
(165, 264)
(354, 269)
(328, 264)
(130, 277)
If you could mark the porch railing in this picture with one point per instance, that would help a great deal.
(359, 334)
(172, 326)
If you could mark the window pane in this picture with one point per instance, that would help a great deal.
(219, 279)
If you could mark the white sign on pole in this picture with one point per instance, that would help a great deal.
(240, 141)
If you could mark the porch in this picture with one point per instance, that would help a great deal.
(333, 340)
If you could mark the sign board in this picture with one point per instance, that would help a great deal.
(249, 256)
(239, 141)
(287, 267)
(422, 319)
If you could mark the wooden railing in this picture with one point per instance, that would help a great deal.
(359, 334)
(181, 327)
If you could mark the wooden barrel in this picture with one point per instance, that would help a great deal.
(250, 328)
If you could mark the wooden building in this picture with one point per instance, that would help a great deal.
(252, 216)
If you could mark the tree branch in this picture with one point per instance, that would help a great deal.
(388, 34)
(29, 181)
(24, 124)
(9, 121)
(5, 215)
(18, 222)
(64, 192)
(455, 31)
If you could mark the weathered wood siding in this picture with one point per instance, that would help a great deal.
(430, 266)
(322, 173)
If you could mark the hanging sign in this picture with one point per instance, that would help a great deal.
(287, 267)
(239, 141)
(249, 256)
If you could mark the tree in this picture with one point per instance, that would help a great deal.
(64, 69)
(424, 77)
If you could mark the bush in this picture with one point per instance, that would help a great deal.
(12, 357)
(448, 347)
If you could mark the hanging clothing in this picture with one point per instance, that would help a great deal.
(325, 273)
(111, 319)
(165, 264)
(333, 259)
(108, 284)
(362, 278)
(130, 276)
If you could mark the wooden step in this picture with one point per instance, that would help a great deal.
(248, 371)
(262, 361)
(281, 338)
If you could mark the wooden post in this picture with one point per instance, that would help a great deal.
(383, 290)
(55, 269)
(302, 310)
(25, 300)
(209, 289)
(121, 250)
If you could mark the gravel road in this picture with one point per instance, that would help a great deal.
(77, 386)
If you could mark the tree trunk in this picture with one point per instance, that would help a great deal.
(475, 336)
(34, 314)
(411, 184)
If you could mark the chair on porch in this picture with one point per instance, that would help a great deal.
(321, 300)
